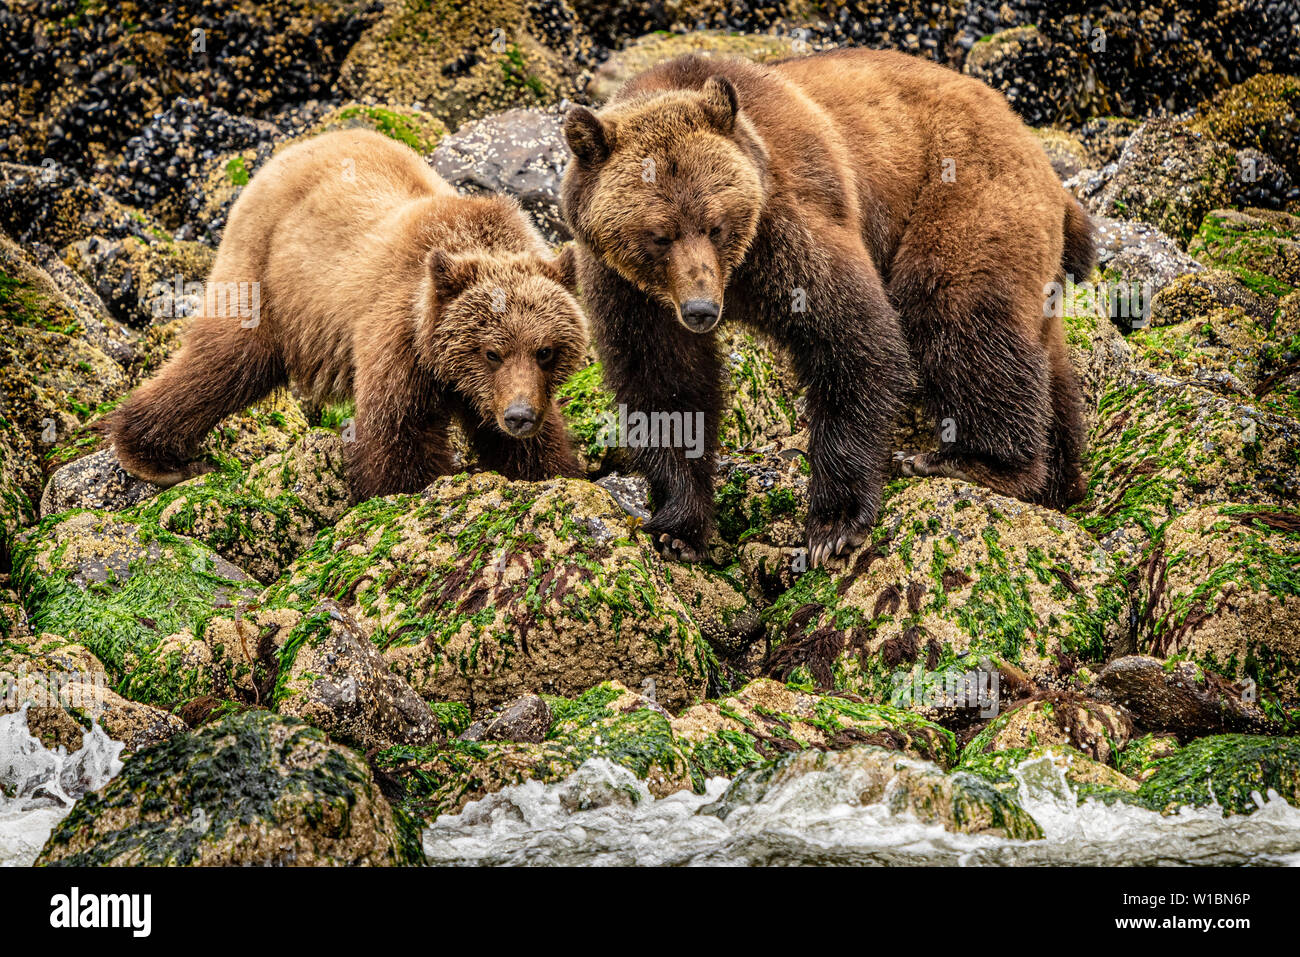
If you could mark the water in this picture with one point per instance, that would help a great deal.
(38, 787)
(603, 816)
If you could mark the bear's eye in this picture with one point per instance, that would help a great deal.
(545, 355)
(663, 242)
(715, 232)
(493, 357)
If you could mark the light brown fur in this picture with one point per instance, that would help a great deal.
(376, 281)
(824, 177)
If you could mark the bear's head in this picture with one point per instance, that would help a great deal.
(667, 190)
(503, 330)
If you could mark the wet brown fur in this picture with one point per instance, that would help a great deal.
(380, 283)
(825, 174)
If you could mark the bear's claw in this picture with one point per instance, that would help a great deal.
(923, 464)
(677, 549)
(828, 539)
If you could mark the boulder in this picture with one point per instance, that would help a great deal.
(1179, 698)
(1237, 772)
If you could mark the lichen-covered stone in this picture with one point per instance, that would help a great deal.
(1065, 150)
(643, 53)
(766, 719)
(1163, 445)
(480, 589)
(127, 591)
(1227, 770)
(865, 774)
(1261, 246)
(1170, 176)
(252, 789)
(588, 406)
(1091, 727)
(953, 576)
(1222, 587)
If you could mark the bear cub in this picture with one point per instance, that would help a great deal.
(351, 269)
(892, 224)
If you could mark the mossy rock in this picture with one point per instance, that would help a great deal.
(251, 789)
(587, 406)
(411, 127)
(608, 722)
(465, 60)
(954, 576)
(133, 594)
(1098, 351)
(761, 404)
(1039, 768)
(1260, 246)
(58, 676)
(1261, 113)
(1226, 769)
(644, 52)
(1163, 445)
(1222, 588)
(1141, 757)
(263, 519)
(1065, 150)
(760, 507)
(20, 480)
(1208, 292)
(766, 719)
(1093, 728)
(726, 616)
(137, 278)
(1169, 175)
(865, 774)
(479, 589)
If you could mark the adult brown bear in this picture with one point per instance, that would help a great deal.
(883, 218)
(350, 268)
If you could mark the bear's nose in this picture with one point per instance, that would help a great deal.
(699, 314)
(520, 418)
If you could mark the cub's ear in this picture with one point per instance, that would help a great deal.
(563, 269)
(451, 274)
(721, 104)
(590, 139)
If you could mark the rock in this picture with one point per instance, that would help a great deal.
(608, 721)
(959, 802)
(1065, 150)
(480, 58)
(589, 410)
(1103, 138)
(1228, 770)
(1091, 727)
(646, 51)
(51, 204)
(127, 591)
(1179, 698)
(266, 517)
(339, 682)
(20, 479)
(1262, 113)
(1206, 292)
(1140, 260)
(94, 481)
(953, 576)
(718, 604)
(521, 153)
(480, 590)
(64, 680)
(1141, 757)
(761, 504)
(1044, 82)
(1098, 351)
(144, 282)
(766, 719)
(1163, 445)
(1056, 771)
(1220, 589)
(764, 393)
(1262, 247)
(252, 789)
(1169, 176)
(526, 719)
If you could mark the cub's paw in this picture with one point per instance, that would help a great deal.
(922, 464)
(676, 549)
(830, 537)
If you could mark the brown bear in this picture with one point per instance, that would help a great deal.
(351, 269)
(890, 222)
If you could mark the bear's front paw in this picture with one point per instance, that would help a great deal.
(830, 537)
(676, 549)
(925, 464)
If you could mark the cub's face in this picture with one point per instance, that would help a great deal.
(667, 191)
(504, 332)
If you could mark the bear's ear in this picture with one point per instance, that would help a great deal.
(721, 104)
(451, 274)
(563, 269)
(590, 139)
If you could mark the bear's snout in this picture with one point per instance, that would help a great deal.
(700, 315)
(521, 419)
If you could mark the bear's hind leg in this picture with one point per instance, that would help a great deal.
(987, 386)
(222, 368)
(1066, 482)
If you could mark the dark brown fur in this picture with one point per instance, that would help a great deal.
(377, 281)
(825, 175)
